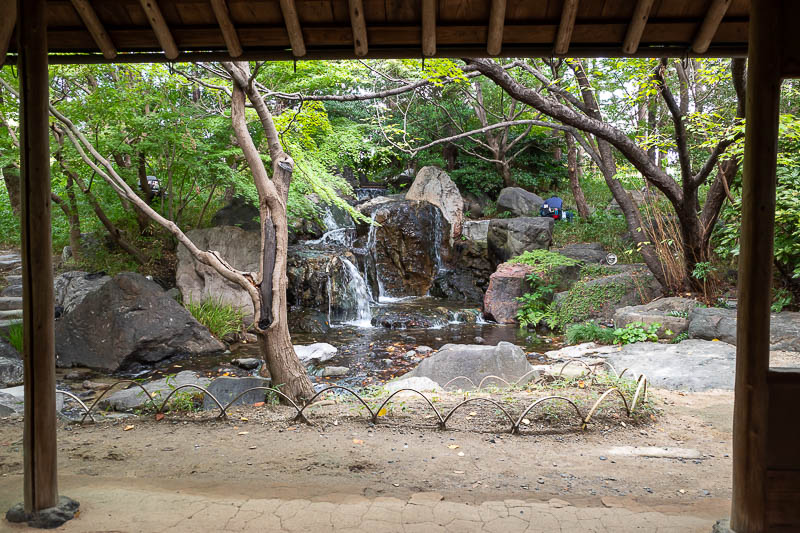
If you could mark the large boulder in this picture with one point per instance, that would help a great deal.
(319, 352)
(672, 313)
(198, 282)
(717, 323)
(471, 251)
(510, 237)
(240, 212)
(600, 298)
(434, 186)
(506, 285)
(460, 285)
(592, 252)
(474, 204)
(410, 318)
(693, 365)
(408, 245)
(72, 287)
(226, 388)
(129, 320)
(519, 202)
(474, 362)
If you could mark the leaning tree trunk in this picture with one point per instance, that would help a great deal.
(574, 182)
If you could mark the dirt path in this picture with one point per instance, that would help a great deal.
(269, 455)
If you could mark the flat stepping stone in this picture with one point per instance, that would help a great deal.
(10, 302)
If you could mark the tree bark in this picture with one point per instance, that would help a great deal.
(13, 184)
(574, 182)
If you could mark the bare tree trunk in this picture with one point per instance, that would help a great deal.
(13, 185)
(574, 182)
(74, 225)
(205, 206)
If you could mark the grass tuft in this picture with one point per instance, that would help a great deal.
(220, 318)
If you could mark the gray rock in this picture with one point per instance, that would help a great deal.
(334, 371)
(717, 323)
(308, 321)
(419, 383)
(175, 294)
(13, 289)
(240, 212)
(458, 285)
(12, 400)
(658, 312)
(226, 388)
(198, 282)
(72, 287)
(592, 252)
(49, 518)
(134, 398)
(434, 186)
(693, 365)
(129, 320)
(471, 252)
(10, 303)
(316, 353)
(474, 362)
(247, 363)
(510, 237)
(11, 372)
(520, 202)
(7, 350)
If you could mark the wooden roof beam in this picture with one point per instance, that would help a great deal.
(564, 35)
(292, 22)
(220, 8)
(428, 28)
(160, 28)
(8, 19)
(636, 28)
(711, 22)
(359, 24)
(497, 21)
(95, 27)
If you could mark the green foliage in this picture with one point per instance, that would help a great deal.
(702, 270)
(589, 332)
(679, 314)
(543, 261)
(536, 303)
(583, 300)
(594, 271)
(680, 337)
(637, 332)
(220, 318)
(781, 298)
(14, 335)
(604, 227)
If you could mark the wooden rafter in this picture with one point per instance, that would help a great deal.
(564, 35)
(359, 24)
(96, 28)
(292, 22)
(711, 23)
(636, 27)
(497, 21)
(160, 28)
(220, 8)
(8, 19)
(428, 28)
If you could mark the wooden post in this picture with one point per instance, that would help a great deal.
(41, 487)
(748, 513)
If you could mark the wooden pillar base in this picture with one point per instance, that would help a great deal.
(49, 518)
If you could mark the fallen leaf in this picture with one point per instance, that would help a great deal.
(243, 433)
(581, 384)
(473, 413)
(461, 454)
(253, 447)
(243, 419)
(258, 404)
(458, 471)
(382, 412)
(291, 428)
(358, 441)
(159, 416)
(127, 428)
(453, 446)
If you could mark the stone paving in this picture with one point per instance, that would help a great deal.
(135, 510)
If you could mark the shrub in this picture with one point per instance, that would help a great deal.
(14, 336)
(590, 332)
(220, 318)
(637, 332)
(535, 304)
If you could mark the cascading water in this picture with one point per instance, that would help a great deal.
(336, 234)
(358, 294)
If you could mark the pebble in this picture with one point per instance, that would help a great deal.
(603, 458)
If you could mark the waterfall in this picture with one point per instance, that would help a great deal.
(356, 287)
(335, 234)
(371, 237)
(438, 235)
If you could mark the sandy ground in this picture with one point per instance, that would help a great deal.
(261, 451)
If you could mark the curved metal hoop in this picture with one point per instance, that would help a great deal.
(265, 389)
(386, 401)
(83, 405)
(222, 413)
(332, 387)
(480, 385)
(516, 427)
(640, 387)
(570, 361)
(91, 407)
(600, 399)
(465, 402)
(457, 378)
